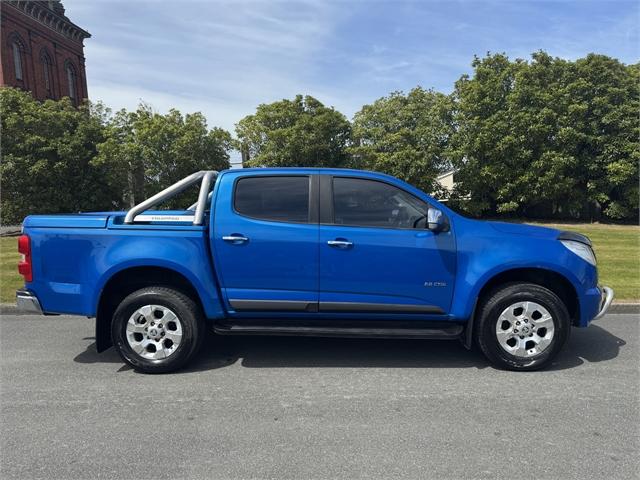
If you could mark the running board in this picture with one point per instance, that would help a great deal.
(437, 332)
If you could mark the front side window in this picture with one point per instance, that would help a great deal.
(369, 203)
(17, 60)
(280, 199)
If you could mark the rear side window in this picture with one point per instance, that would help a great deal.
(368, 203)
(279, 199)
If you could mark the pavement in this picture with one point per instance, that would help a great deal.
(303, 408)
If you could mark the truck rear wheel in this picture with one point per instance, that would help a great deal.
(522, 326)
(157, 329)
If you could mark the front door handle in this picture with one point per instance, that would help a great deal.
(235, 238)
(340, 243)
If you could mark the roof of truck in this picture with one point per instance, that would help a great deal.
(289, 170)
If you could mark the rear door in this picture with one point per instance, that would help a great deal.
(265, 243)
(376, 254)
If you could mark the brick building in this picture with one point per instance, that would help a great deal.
(42, 50)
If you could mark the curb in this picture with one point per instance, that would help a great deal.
(8, 309)
(11, 309)
(624, 308)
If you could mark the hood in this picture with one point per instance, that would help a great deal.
(522, 229)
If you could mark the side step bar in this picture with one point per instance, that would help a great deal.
(346, 330)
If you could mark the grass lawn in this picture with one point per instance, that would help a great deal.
(10, 280)
(617, 248)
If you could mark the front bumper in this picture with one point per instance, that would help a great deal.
(605, 301)
(27, 302)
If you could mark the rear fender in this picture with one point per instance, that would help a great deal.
(207, 293)
(183, 252)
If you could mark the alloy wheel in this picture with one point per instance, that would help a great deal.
(525, 329)
(154, 332)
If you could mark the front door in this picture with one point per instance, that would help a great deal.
(266, 243)
(376, 254)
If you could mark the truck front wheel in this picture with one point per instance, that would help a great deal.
(157, 329)
(522, 326)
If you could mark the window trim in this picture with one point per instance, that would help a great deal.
(328, 217)
(312, 214)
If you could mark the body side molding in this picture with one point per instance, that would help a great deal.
(273, 305)
(354, 307)
(338, 307)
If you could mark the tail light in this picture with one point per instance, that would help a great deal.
(25, 267)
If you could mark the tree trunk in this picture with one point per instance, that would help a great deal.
(138, 183)
(244, 151)
(130, 200)
(135, 184)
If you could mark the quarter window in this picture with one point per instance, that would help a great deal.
(280, 199)
(368, 203)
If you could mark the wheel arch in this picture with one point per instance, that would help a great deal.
(554, 281)
(126, 281)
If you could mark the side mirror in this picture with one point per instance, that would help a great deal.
(435, 220)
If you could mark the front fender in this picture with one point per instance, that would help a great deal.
(481, 259)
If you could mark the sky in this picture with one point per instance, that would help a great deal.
(224, 58)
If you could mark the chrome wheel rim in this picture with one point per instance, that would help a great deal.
(525, 329)
(154, 332)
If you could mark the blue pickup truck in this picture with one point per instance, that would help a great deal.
(300, 251)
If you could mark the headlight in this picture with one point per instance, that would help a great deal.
(583, 251)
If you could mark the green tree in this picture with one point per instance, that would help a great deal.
(301, 132)
(548, 137)
(605, 110)
(481, 149)
(147, 151)
(406, 136)
(47, 149)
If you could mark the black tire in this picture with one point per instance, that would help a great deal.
(498, 301)
(188, 313)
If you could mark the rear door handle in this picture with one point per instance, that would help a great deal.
(340, 243)
(235, 238)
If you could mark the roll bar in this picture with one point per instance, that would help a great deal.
(204, 177)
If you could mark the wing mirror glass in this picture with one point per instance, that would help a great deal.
(435, 220)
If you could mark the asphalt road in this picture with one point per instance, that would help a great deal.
(266, 407)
